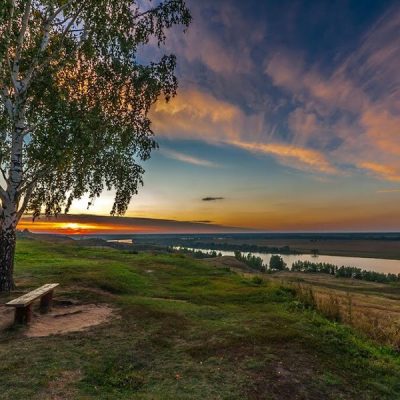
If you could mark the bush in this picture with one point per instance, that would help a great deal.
(276, 263)
(252, 261)
(257, 280)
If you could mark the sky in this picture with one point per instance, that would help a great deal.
(287, 119)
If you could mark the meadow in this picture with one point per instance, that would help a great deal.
(185, 329)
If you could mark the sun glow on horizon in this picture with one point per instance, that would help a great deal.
(78, 228)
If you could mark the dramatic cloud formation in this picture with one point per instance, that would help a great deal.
(358, 103)
(289, 109)
(347, 114)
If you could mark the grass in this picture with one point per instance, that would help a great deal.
(188, 330)
(379, 323)
(371, 308)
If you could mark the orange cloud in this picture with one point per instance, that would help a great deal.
(298, 157)
(363, 90)
(384, 171)
(383, 128)
(197, 115)
(337, 111)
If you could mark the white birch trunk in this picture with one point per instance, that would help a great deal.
(9, 216)
(8, 225)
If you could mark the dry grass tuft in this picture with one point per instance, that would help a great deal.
(383, 327)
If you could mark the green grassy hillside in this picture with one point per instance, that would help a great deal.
(187, 330)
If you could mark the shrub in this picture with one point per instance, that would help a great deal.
(252, 261)
(257, 280)
(276, 263)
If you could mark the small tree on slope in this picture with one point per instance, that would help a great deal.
(74, 103)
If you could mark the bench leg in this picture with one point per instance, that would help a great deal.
(45, 302)
(23, 315)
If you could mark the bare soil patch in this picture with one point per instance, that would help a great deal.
(70, 319)
(65, 316)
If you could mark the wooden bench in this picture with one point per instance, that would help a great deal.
(23, 304)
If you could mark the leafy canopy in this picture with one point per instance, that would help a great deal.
(70, 72)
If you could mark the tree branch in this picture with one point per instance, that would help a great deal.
(60, 9)
(20, 44)
(9, 27)
(3, 197)
(7, 102)
(8, 36)
(40, 173)
(35, 62)
(28, 189)
(27, 197)
(72, 21)
(3, 193)
(45, 41)
(152, 10)
(4, 174)
(29, 129)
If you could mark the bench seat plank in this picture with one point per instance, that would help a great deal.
(30, 297)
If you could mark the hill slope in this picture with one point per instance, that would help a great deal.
(186, 330)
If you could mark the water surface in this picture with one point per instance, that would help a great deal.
(369, 264)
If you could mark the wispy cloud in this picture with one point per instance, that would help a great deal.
(219, 53)
(388, 191)
(345, 115)
(356, 105)
(297, 157)
(175, 155)
(384, 171)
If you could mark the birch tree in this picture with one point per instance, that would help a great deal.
(74, 103)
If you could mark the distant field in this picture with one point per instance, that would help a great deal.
(370, 245)
(336, 247)
(186, 330)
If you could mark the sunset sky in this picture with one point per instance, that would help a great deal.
(287, 119)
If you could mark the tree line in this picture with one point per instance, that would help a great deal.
(276, 263)
(344, 272)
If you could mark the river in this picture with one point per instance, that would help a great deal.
(369, 264)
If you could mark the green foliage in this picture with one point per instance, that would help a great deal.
(76, 98)
(197, 253)
(205, 243)
(252, 261)
(276, 263)
(344, 272)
